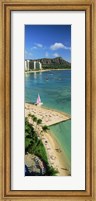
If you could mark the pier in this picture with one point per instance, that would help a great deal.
(49, 117)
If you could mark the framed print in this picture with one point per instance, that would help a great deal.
(47, 100)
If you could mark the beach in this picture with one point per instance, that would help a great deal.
(56, 157)
(47, 94)
(49, 117)
(44, 70)
(55, 93)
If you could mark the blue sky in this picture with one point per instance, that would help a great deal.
(48, 41)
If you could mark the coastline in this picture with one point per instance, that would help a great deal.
(44, 70)
(55, 155)
(48, 116)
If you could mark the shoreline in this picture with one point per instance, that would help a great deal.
(53, 149)
(52, 109)
(44, 70)
(55, 155)
(49, 117)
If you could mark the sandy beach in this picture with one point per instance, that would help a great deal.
(49, 117)
(55, 155)
(43, 70)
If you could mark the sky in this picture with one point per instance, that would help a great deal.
(48, 41)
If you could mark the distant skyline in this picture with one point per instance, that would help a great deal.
(48, 41)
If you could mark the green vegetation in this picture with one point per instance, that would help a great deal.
(54, 66)
(34, 145)
(39, 121)
(52, 63)
(50, 171)
(45, 128)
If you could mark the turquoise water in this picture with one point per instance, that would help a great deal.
(54, 88)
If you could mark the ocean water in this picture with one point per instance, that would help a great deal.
(54, 88)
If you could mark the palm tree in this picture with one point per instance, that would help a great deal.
(39, 121)
(45, 128)
(29, 115)
(34, 119)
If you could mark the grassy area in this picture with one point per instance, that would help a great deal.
(34, 145)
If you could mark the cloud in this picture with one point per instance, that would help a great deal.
(39, 45)
(56, 55)
(46, 54)
(34, 48)
(56, 46)
(28, 54)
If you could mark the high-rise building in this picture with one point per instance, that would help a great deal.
(32, 65)
(27, 65)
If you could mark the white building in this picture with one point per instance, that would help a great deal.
(27, 68)
(32, 65)
(40, 65)
(25, 65)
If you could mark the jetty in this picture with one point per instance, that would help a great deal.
(49, 117)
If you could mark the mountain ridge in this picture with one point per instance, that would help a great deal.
(57, 62)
